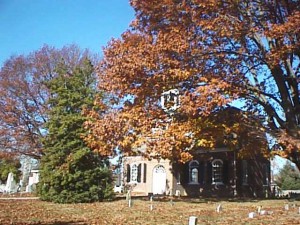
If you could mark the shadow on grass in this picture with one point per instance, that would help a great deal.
(196, 200)
(64, 223)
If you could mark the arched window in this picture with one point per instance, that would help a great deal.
(217, 171)
(194, 172)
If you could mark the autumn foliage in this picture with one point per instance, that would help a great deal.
(240, 49)
(217, 54)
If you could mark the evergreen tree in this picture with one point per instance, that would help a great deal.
(288, 177)
(7, 165)
(70, 171)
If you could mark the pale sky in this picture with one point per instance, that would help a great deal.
(26, 25)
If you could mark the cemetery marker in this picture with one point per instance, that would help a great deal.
(192, 220)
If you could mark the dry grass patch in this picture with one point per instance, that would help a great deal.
(164, 212)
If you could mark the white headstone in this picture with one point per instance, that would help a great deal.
(259, 209)
(219, 208)
(171, 202)
(10, 184)
(263, 212)
(193, 220)
(252, 215)
(28, 188)
(286, 207)
(151, 203)
(128, 198)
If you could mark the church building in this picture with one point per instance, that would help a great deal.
(215, 172)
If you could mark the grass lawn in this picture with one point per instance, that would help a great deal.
(15, 211)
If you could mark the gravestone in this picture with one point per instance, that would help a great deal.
(151, 207)
(171, 202)
(10, 184)
(192, 220)
(286, 207)
(259, 209)
(263, 212)
(219, 208)
(151, 203)
(252, 215)
(128, 198)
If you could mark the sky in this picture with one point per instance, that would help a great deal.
(26, 25)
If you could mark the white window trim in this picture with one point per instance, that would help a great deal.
(190, 171)
(213, 173)
(131, 173)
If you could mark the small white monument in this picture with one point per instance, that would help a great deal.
(252, 215)
(192, 220)
(151, 203)
(219, 208)
(32, 180)
(286, 207)
(128, 198)
(259, 209)
(11, 185)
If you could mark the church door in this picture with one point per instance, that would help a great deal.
(159, 180)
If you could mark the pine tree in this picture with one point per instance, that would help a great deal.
(288, 177)
(7, 165)
(70, 171)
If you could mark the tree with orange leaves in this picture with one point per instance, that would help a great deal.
(213, 52)
(251, 46)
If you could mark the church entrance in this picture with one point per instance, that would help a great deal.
(159, 180)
